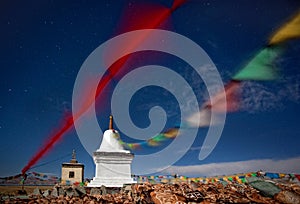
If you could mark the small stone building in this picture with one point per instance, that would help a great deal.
(72, 172)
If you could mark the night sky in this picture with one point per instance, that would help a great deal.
(44, 44)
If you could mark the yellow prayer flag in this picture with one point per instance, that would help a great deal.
(171, 133)
(288, 31)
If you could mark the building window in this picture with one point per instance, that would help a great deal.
(71, 174)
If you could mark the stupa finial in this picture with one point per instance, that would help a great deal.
(74, 154)
(73, 160)
(110, 127)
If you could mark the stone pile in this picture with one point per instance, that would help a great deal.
(253, 192)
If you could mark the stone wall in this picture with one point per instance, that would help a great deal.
(165, 193)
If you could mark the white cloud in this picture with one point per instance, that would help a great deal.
(290, 165)
(258, 97)
(292, 88)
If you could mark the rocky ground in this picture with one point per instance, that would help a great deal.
(259, 191)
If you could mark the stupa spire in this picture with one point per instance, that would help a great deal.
(111, 120)
(73, 160)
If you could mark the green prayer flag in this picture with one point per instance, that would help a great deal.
(261, 67)
(158, 138)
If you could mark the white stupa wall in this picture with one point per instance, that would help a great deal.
(113, 169)
(113, 164)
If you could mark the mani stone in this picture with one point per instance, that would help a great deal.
(57, 191)
(36, 192)
(80, 190)
(46, 193)
(288, 197)
(265, 188)
(71, 192)
(95, 191)
(54, 192)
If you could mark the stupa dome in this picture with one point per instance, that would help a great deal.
(110, 141)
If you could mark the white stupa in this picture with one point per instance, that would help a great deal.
(113, 162)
